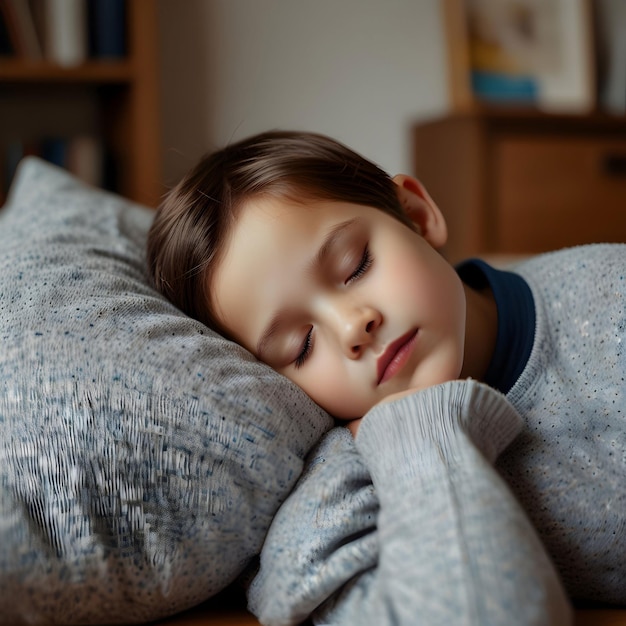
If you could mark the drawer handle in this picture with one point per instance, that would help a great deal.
(614, 165)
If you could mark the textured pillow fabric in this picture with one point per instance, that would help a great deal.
(142, 456)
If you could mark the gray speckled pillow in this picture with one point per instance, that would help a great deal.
(142, 456)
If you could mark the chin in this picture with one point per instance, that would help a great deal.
(345, 415)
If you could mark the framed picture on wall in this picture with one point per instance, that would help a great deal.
(536, 53)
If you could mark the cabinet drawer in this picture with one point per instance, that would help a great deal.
(552, 192)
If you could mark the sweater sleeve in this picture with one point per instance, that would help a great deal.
(436, 537)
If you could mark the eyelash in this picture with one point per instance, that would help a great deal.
(365, 263)
(306, 350)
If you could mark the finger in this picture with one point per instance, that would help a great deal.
(353, 426)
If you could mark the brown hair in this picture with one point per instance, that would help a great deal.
(192, 223)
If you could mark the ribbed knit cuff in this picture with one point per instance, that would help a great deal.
(417, 435)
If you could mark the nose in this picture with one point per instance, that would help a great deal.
(358, 330)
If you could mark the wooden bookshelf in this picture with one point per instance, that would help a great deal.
(115, 100)
(20, 71)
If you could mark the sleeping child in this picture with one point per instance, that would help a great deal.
(480, 479)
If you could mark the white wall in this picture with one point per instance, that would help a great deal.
(362, 71)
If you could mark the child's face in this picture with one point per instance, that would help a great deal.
(345, 300)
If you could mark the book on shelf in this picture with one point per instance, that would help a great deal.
(65, 32)
(6, 44)
(20, 25)
(107, 28)
(82, 155)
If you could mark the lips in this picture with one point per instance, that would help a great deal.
(391, 361)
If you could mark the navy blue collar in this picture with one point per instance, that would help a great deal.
(516, 320)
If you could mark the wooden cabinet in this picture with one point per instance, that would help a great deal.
(511, 182)
(114, 100)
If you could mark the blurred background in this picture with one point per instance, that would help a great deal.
(361, 71)
(512, 112)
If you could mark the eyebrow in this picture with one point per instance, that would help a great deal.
(334, 234)
(331, 239)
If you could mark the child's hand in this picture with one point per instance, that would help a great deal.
(353, 426)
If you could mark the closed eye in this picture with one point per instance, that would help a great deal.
(305, 352)
(364, 264)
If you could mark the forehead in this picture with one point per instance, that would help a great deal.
(271, 211)
(263, 225)
(269, 246)
(266, 222)
(265, 237)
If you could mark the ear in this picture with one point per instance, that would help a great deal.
(421, 210)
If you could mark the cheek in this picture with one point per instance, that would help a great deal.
(403, 280)
(331, 386)
(425, 287)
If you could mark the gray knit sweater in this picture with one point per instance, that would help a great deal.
(416, 523)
